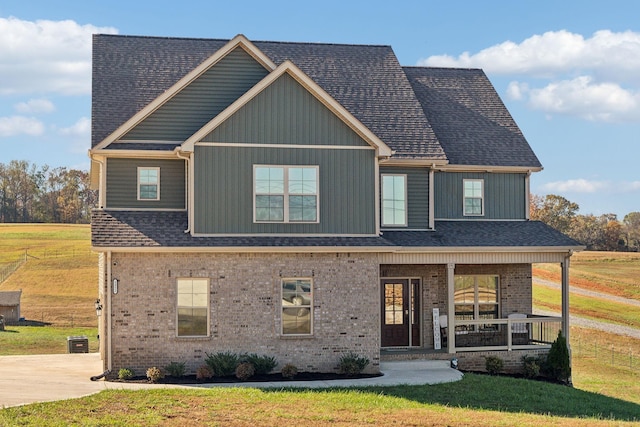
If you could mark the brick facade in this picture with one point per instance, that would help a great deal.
(245, 308)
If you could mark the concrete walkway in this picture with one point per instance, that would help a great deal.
(44, 378)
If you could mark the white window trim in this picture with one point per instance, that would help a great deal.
(208, 307)
(464, 197)
(286, 194)
(140, 169)
(309, 306)
(406, 203)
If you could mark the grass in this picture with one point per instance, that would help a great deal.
(17, 340)
(476, 400)
(59, 281)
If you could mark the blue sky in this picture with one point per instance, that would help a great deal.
(569, 71)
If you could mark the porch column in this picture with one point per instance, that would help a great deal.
(451, 309)
(565, 297)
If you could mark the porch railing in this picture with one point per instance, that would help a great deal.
(506, 334)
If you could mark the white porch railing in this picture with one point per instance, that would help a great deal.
(506, 334)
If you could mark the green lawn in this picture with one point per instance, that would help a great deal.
(477, 400)
(16, 340)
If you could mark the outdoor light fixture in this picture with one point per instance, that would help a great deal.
(98, 307)
(115, 286)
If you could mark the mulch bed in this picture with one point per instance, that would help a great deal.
(302, 376)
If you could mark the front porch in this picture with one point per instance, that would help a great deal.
(491, 304)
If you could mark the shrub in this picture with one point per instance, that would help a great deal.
(223, 364)
(154, 374)
(204, 372)
(244, 371)
(175, 369)
(557, 364)
(352, 364)
(125, 374)
(493, 364)
(289, 371)
(262, 364)
(531, 366)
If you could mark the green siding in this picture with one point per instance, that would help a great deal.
(285, 113)
(224, 189)
(122, 181)
(417, 195)
(504, 195)
(201, 100)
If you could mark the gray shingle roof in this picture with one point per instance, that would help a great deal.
(10, 298)
(129, 72)
(166, 229)
(469, 118)
(137, 229)
(483, 234)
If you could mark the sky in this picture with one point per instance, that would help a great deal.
(568, 71)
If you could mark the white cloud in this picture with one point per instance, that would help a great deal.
(582, 185)
(46, 56)
(81, 128)
(595, 78)
(18, 125)
(35, 106)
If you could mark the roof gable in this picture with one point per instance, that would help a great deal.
(289, 69)
(144, 124)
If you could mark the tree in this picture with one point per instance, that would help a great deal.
(554, 210)
(631, 230)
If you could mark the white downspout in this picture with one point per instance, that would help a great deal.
(188, 195)
(451, 309)
(108, 311)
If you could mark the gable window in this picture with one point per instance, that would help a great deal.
(148, 183)
(286, 193)
(476, 297)
(193, 307)
(297, 306)
(474, 197)
(394, 200)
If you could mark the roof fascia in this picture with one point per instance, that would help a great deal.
(382, 149)
(147, 154)
(414, 162)
(238, 41)
(485, 168)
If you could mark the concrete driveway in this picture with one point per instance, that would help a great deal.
(44, 378)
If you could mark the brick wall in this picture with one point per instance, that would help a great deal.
(245, 308)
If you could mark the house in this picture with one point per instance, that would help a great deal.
(305, 200)
(10, 305)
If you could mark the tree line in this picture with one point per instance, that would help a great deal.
(29, 193)
(599, 233)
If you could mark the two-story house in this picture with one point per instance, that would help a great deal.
(305, 200)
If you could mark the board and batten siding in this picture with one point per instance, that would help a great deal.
(505, 195)
(285, 113)
(122, 184)
(202, 100)
(224, 189)
(417, 195)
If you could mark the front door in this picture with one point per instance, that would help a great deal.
(400, 314)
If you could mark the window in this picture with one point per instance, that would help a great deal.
(148, 183)
(473, 197)
(297, 306)
(394, 200)
(476, 297)
(286, 194)
(193, 307)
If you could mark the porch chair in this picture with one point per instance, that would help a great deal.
(444, 328)
(519, 331)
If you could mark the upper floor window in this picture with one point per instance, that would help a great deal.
(474, 197)
(394, 200)
(148, 183)
(193, 307)
(286, 193)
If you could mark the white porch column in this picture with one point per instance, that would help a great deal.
(565, 298)
(451, 309)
